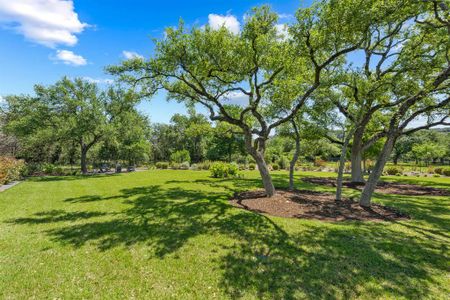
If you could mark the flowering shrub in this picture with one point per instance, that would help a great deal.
(10, 169)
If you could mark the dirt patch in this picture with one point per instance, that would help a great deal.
(312, 205)
(385, 187)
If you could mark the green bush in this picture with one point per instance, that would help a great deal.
(48, 169)
(175, 166)
(436, 175)
(438, 170)
(162, 165)
(275, 167)
(180, 156)
(446, 172)
(283, 162)
(393, 170)
(222, 170)
(58, 171)
(32, 168)
(10, 169)
(233, 169)
(252, 167)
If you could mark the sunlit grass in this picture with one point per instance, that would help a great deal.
(172, 234)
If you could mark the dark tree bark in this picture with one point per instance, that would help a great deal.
(340, 176)
(295, 156)
(83, 160)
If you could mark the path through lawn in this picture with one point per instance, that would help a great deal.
(173, 234)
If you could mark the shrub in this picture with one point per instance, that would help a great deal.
(393, 170)
(204, 165)
(218, 170)
(251, 166)
(436, 175)
(184, 165)
(222, 170)
(283, 162)
(10, 169)
(195, 167)
(242, 167)
(180, 156)
(430, 170)
(48, 169)
(175, 166)
(438, 170)
(162, 165)
(446, 172)
(275, 167)
(318, 162)
(232, 169)
(32, 168)
(58, 171)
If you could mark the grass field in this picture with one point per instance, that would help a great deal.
(172, 234)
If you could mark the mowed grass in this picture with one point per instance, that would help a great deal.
(172, 234)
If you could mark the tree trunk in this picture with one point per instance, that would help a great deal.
(340, 176)
(356, 160)
(83, 160)
(294, 157)
(265, 175)
(371, 184)
(356, 156)
(257, 150)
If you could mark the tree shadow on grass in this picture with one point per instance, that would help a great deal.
(313, 260)
(70, 177)
(53, 216)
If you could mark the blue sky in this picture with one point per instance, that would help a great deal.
(43, 40)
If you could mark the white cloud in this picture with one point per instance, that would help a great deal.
(131, 55)
(236, 98)
(282, 31)
(69, 58)
(46, 22)
(285, 16)
(230, 22)
(99, 80)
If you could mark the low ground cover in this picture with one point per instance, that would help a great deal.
(173, 234)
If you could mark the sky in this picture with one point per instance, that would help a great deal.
(43, 40)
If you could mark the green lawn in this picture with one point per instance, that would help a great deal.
(172, 234)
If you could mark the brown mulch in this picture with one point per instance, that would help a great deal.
(384, 187)
(312, 205)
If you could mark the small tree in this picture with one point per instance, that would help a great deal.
(180, 156)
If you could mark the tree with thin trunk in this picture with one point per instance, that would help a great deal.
(214, 68)
(426, 94)
(295, 155)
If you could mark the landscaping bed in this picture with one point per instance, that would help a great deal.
(384, 187)
(313, 205)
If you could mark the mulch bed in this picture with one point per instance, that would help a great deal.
(312, 205)
(384, 187)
